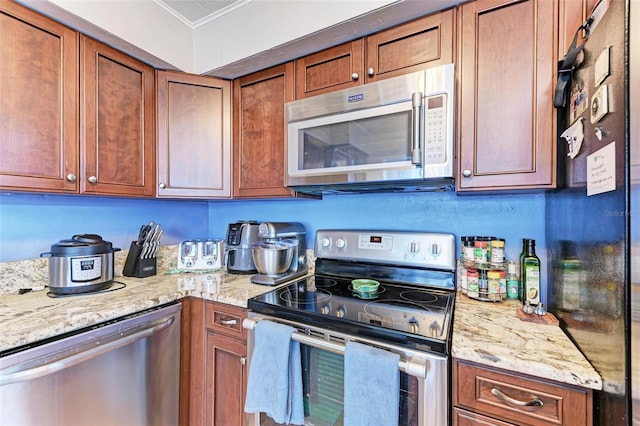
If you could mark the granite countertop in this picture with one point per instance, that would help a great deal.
(491, 334)
(27, 318)
(483, 332)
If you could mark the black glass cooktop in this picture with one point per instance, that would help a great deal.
(410, 314)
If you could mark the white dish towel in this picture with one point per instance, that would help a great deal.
(274, 385)
(371, 386)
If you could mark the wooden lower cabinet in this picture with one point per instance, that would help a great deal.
(214, 366)
(490, 396)
(226, 380)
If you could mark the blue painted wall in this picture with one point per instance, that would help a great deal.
(509, 216)
(30, 223)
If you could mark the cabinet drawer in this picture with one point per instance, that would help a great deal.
(226, 319)
(517, 399)
(467, 418)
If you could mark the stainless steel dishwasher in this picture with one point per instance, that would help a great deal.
(122, 372)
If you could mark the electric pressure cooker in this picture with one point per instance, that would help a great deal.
(81, 264)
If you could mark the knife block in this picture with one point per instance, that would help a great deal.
(134, 266)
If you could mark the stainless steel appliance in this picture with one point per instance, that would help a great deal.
(122, 372)
(81, 264)
(281, 252)
(634, 205)
(409, 313)
(394, 135)
(201, 255)
(600, 222)
(240, 236)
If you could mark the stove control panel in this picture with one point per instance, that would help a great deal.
(421, 249)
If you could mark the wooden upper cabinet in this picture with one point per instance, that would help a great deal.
(38, 102)
(117, 122)
(332, 69)
(259, 132)
(425, 42)
(507, 72)
(419, 44)
(194, 135)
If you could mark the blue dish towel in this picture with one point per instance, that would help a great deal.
(274, 385)
(371, 386)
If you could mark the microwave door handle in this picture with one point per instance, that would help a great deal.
(418, 129)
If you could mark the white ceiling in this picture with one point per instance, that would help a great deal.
(198, 12)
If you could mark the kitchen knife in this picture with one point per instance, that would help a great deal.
(148, 244)
(156, 243)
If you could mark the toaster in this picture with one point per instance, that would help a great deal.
(201, 255)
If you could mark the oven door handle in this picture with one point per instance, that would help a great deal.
(411, 367)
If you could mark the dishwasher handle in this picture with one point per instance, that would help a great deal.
(81, 353)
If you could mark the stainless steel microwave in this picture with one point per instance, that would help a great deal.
(392, 135)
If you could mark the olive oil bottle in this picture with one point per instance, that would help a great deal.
(531, 274)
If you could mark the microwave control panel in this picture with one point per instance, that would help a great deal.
(435, 129)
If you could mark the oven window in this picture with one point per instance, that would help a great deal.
(367, 141)
(323, 387)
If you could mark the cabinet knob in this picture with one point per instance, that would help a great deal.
(162, 186)
(355, 76)
(371, 72)
(243, 360)
(71, 177)
(466, 173)
(92, 179)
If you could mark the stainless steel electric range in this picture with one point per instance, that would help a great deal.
(403, 303)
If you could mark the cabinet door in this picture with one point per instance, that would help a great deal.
(38, 102)
(332, 69)
(419, 44)
(259, 132)
(194, 136)
(468, 418)
(507, 77)
(117, 122)
(226, 381)
(518, 399)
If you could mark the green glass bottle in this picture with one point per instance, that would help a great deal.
(531, 274)
(521, 289)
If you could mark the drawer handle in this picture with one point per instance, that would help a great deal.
(229, 322)
(536, 402)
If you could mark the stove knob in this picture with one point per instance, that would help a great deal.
(413, 326)
(341, 243)
(326, 309)
(414, 247)
(340, 311)
(326, 242)
(436, 250)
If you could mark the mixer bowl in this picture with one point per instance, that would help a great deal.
(273, 257)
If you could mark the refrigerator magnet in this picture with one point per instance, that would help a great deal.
(601, 67)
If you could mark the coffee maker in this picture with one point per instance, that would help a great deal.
(240, 236)
(281, 253)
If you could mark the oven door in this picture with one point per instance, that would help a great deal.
(423, 378)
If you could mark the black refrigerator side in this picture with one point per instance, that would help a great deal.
(634, 200)
(588, 219)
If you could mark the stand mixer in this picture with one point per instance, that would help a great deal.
(281, 252)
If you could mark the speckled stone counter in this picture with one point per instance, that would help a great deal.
(486, 333)
(491, 334)
(27, 318)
